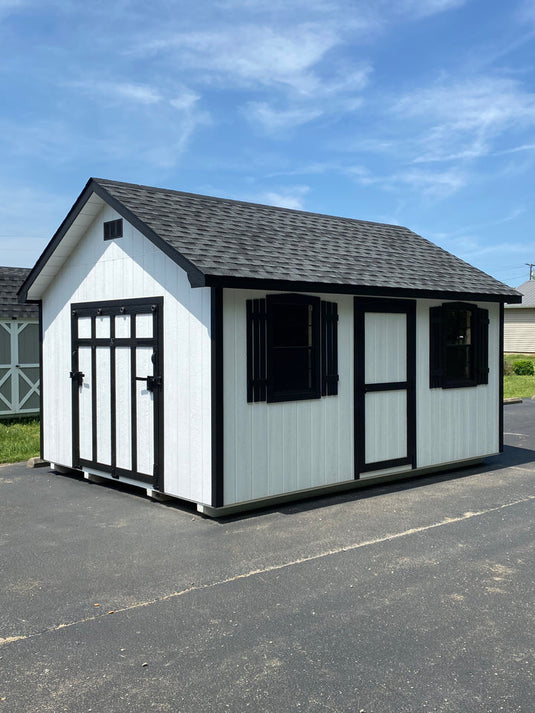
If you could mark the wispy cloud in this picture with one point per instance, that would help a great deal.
(290, 197)
(460, 120)
(118, 91)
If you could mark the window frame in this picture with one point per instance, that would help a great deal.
(277, 395)
(479, 359)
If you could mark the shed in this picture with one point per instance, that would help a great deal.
(230, 354)
(19, 348)
(519, 328)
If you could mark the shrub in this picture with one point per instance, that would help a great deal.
(523, 367)
(507, 367)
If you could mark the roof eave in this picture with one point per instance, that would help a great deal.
(195, 275)
(354, 289)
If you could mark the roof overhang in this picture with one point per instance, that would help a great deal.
(82, 214)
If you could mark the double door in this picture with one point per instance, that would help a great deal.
(117, 399)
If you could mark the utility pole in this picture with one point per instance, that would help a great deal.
(531, 265)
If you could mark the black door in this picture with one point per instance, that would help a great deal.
(117, 401)
(385, 384)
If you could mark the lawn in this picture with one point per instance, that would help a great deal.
(515, 385)
(19, 439)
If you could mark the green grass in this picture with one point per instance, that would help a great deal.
(19, 439)
(518, 386)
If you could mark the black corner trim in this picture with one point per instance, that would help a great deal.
(41, 402)
(500, 406)
(216, 323)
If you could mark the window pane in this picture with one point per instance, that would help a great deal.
(29, 344)
(458, 362)
(458, 327)
(5, 346)
(292, 325)
(292, 369)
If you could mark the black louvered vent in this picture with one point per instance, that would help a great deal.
(113, 229)
(256, 350)
(329, 348)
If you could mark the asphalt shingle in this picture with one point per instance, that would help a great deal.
(232, 239)
(11, 278)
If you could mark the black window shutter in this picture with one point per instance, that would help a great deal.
(256, 350)
(436, 347)
(329, 348)
(482, 350)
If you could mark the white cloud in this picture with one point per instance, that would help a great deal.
(248, 55)
(138, 93)
(417, 9)
(462, 119)
(274, 120)
(185, 101)
(292, 197)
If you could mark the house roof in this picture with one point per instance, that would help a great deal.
(223, 242)
(527, 289)
(11, 278)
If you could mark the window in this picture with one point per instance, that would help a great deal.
(113, 229)
(291, 348)
(458, 345)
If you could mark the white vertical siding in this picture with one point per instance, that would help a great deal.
(132, 267)
(277, 448)
(385, 349)
(519, 330)
(386, 425)
(455, 424)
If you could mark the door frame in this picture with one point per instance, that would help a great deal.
(362, 305)
(112, 308)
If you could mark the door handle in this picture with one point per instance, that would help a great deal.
(77, 377)
(153, 382)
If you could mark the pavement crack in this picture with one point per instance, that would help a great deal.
(270, 568)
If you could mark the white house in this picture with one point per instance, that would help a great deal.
(519, 328)
(229, 353)
(19, 348)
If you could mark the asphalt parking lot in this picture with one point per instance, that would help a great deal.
(414, 597)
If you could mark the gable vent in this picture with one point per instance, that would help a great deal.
(113, 229)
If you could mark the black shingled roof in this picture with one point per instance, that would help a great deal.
(227, 238)
(223, 242)
(11, 278)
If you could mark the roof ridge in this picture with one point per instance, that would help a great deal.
(297, 211)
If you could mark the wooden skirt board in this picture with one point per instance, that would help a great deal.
(117, 396)
(385, 384)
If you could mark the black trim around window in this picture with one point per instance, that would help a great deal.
(458, 345)
(292, 348)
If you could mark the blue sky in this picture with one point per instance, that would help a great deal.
(418, 112)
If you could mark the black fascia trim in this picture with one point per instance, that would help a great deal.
(266, 284)
(55, 241)
(216, 324)
(195, 276)
(500, 379)
(41, 430)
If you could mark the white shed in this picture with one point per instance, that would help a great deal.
(519, 328)
(19, 348)
(230, 354)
